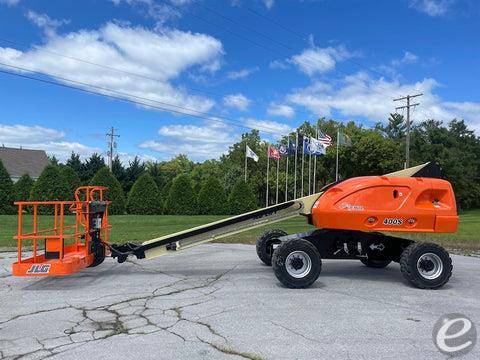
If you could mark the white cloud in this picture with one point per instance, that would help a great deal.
(268, 126)
(209, 141)
(319, 60)
(408, 58)
(243, 73)
(157, 58)
(198, 134)
(237, 101)
(280, 110)
(279, 64)
(44, 22)
(41, 138)
(432, 8)
(362, 96)
(269, 3)
(9, 2)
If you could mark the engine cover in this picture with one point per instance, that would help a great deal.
(381, 203)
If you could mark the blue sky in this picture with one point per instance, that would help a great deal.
(238, 64)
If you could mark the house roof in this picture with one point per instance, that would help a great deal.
(23, 161)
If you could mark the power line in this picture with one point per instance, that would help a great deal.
(102, 66)
(289, 47)
(205, 116)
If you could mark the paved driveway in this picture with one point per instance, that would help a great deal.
(218, 301)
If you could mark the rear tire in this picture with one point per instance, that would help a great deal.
(265, 245)
(426, 265)
(297, 263)
(373, 263)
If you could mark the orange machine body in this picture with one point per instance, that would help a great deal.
(381, 203)
(63, 246)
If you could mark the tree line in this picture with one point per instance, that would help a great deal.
(182, 186)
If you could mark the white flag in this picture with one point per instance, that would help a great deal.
(316, 147)
(251, 154)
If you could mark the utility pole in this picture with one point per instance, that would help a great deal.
(111, 145)
(407, 140)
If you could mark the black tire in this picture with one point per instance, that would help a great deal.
(412, 265)
(265, 245)
(284, 258)
(98, 254)
(374, 263)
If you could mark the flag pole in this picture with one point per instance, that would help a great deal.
(310, 168)
(303, 160)
(268, 165)
(336, 168)
(295, 178)
(278, 166)
(246, 162)
(286, 169)
(315, 164)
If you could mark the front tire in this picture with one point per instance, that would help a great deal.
(374, 263)
(265, 245)
(296, 263)
(426, 265)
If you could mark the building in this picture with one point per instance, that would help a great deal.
(23, 161)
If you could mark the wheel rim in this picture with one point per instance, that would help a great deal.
(430, 266)
(298, 264)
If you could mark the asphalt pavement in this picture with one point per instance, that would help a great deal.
(217, 301)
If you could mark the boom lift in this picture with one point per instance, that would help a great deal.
(352, 217)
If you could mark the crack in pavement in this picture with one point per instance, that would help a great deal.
(230, 351)
(130, 316)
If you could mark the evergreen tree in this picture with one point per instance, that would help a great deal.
(212, 199)
(23, 188)
(6, 192)
(132, 172)
(164, 195)
(75, 163)
(104, 177)
(72, 179)
(181, 197)
(144, 197)
(50, 186)
(241, 199)
(118, 170)
(93, 165)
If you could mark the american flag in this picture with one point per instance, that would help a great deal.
(325, 139)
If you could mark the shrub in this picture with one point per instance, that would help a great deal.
(72, 179)
(6, 192)
(104, 177)
(241, 199)
(144, 197)
(181, 197)
(23, 188)
(50, 186)
(212, 199)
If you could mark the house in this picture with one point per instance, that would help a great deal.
(23, 161)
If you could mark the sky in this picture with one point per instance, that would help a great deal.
(190, 76)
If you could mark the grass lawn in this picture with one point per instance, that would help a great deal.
(137, 228)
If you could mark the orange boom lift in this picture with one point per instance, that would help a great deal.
(354, 219)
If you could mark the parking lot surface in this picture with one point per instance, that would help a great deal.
(217, 301)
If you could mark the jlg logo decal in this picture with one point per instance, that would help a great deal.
(392, 222)
(39, 269)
